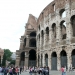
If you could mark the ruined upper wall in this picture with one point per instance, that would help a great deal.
(56, 4)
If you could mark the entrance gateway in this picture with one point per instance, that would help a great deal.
(54, 61)
(63, 56)
(32, 58)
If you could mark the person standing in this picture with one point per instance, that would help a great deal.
(63, 70)
(30, 71)
(20, 70)
(0, 70)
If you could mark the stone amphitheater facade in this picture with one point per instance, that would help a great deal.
(56, 35)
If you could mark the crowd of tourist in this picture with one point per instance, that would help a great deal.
(32, 70)
(39, 70)
(10, 70)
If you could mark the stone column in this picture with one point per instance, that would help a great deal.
(21, 44)
(37, 60)
(58, 30)
(69, 32)
(49, 60)
(43, 60)
(17, 61)
(69, 60)
(58, 61)
(68, 23)
(58, 33)
(26, 60)
(27, 42)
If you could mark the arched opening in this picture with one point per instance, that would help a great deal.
(54, 61)
(39, 27)
(63, 57)
(22, 59)
(73, 24)
(63, 29)
(62, 13)
(39, 37)
(33, 34)
(73, 58)
(42, 35)
(32, 43)
(54, 30)
(46, 59)
(32, 58)
(24, 43)
(47, 34)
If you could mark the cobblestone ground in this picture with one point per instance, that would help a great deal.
(51, 73)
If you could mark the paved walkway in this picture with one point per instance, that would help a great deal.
(51, 73)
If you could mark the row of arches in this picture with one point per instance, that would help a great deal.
(62, 29)
(63, 59)
(32, 40)
(62, 14)
(31, 58)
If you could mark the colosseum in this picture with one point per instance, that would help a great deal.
(49, 40)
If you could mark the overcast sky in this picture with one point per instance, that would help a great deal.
(13, 16)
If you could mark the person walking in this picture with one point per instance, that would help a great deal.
(63, 70)
(30, 71)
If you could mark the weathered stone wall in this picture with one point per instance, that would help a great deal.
(47, 18)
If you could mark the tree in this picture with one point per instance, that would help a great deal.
(4, 60)
(12, 62)
(6, 56)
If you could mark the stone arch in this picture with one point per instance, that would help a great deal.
(54, 30)
(46, 59)
(32, 42)
(42, 37)
(47, 33)
(62, 13)
(63, 58)
(42, 33)
(63, 29)
(24, 43)
(54, 61)
(73, 57)
(33, 34)
(39, 27)
(22, 59)
(32, 57)
(39, 37)
(73, 24)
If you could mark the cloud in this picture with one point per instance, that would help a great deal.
(13, 16)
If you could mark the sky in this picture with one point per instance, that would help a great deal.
(13, 17)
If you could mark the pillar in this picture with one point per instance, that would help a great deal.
(43, 60)
(58, 61)
(69, 60)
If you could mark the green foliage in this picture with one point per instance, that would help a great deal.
(6, 56)
(4, 60)
(12, 62)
